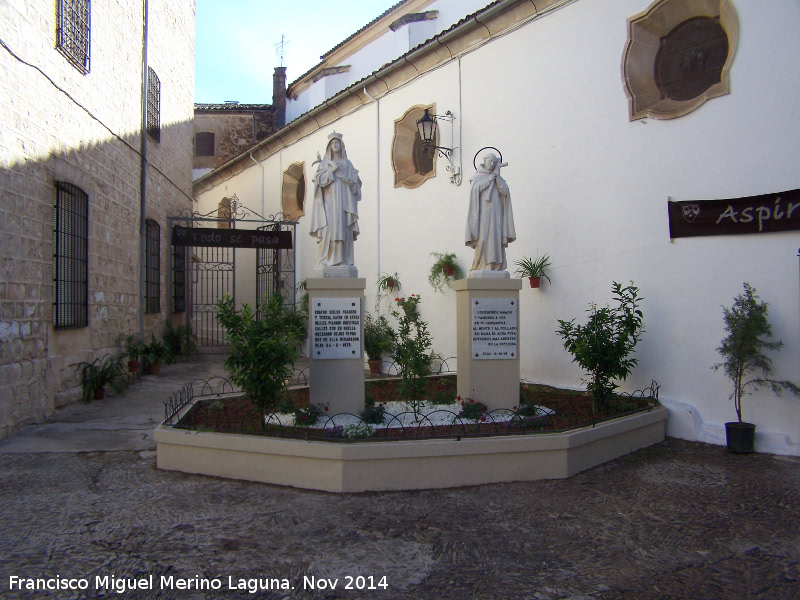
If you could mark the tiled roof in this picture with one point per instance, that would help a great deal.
(343, 42)
(232, 106)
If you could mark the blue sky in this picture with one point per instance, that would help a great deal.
(235, 42)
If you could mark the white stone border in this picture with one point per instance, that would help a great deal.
(407, 464)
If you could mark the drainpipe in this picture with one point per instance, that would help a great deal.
(143, 180)
(263, 206)
(378, 186)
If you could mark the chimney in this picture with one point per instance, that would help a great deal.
(279, 96)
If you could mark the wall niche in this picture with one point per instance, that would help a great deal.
(293, 191)
(413, 163)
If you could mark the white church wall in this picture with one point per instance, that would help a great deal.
(589, 188)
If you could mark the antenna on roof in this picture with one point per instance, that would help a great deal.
(280, 49)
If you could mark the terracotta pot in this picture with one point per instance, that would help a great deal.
(99, 393)
(390, 284)
(153, 368)
(133, 366)
(374, 366)
(740, 437)
(449, 271)
(535, 281)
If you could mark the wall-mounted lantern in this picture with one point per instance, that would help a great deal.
(427, 127)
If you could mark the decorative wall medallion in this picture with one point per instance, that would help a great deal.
(678, 56)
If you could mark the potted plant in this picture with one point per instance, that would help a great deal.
(743, 358)
(388, 284)
(180, 341)
(99, 373)
(444, 270)
(534, 269)
(153, 355)
(134, 347)
(379, 338)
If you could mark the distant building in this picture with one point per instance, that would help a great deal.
(95, 155)
(223, 131)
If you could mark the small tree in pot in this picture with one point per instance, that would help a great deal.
(743, 357)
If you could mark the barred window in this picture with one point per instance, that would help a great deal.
(179, 279)
(204, 144)
(152, 267)
(72, 33)
(70, 257)
(153, 105)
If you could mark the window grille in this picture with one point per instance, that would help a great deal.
(152, 268)
(70, 257)
(204, 144)
(153, 105)
(72, 33)
(179, 279)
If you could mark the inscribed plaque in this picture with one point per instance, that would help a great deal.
(494, 328)
(336, 328)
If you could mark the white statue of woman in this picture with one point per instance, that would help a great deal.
(490, 221)
(334, 211)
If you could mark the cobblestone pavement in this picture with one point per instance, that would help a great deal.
(677, 520)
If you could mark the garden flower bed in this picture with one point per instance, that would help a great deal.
(440, 414)
(198, 437)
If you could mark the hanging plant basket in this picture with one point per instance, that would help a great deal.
(535, 281)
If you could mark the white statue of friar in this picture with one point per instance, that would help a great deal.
(490, 221)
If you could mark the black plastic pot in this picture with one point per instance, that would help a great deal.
(741, 437)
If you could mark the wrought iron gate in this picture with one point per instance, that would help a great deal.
(202, 275)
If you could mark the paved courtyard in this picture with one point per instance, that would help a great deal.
(82, 504)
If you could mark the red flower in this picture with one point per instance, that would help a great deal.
(483, 419)
(471, 401)
(458, 398)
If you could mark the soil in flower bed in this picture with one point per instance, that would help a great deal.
(571, 409)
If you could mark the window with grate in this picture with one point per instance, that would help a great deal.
(204, 144)
(70, 257)
(179, 279)
(152, 267)
(72, 32)
(153, 105)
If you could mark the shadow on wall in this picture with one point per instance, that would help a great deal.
(82, 206)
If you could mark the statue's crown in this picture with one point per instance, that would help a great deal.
(334, 135)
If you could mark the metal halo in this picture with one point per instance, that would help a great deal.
(474, 166)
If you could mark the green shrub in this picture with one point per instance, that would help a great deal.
(261, 351)
(373, 413)
(379, 337)
(603, 346)
(411, 353)
(180, 341)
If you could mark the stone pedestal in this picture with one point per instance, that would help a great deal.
(336, 343)
(488, 340)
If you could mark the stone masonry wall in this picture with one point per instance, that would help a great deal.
(57, 124)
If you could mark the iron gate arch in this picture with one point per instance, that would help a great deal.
(202, 275)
